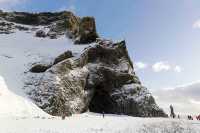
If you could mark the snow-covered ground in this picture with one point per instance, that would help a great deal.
(95, 123)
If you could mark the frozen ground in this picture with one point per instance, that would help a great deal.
(95, 123)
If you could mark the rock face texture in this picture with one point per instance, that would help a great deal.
(81, 30)
(87, 31)
(101, 79)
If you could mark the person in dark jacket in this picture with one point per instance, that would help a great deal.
(172, 114)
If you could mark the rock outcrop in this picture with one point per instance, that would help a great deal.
(81, 30)
(102, 79)
(87, 31)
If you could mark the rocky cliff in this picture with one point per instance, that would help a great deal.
(100, 79)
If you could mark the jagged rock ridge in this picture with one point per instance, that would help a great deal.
(101, 79)
(81, 30)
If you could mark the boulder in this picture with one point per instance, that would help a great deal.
(64, 56)
(40, 33)
(52, 35)
(39, 68)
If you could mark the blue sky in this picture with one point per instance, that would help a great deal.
(163, 36)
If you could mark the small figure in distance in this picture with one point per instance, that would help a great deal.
(172, 114)
(179, 117)
(190, 117)
(103, 114)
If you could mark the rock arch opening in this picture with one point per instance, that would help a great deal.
(101, 101)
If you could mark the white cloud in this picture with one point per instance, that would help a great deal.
(196, 24)
(140, 65)
(178, 69)
(165, 66)
(185, 98)
(161, 66)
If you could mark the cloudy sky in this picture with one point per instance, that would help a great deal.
(163, 38)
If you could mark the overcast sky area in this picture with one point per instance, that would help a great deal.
(163, 39)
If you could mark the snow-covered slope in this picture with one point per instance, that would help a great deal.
(18, 51)
(94, 123)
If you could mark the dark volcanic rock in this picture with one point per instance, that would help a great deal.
(64, 56)
(39, 68)
(102, 79)
(52, 35)
(40, 33)
(6, 28)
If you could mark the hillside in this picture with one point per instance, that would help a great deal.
(61, 64)
(56, 64)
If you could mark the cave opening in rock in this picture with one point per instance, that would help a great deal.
(101, 101)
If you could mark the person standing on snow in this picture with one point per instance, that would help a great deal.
(172, 114)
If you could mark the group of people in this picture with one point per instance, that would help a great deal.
(189, 117)
(198, 117)
(192, 118)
